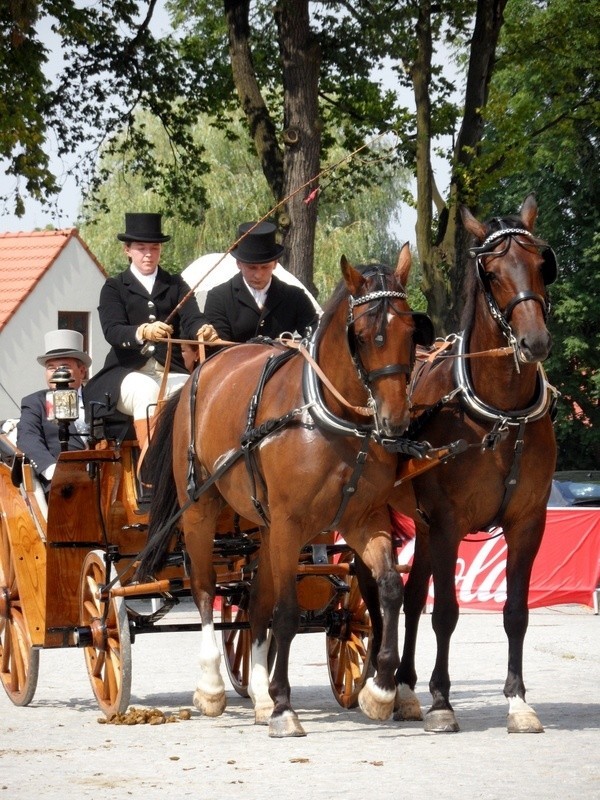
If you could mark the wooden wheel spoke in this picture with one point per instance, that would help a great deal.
(349, 654)
(237, 647)
(98, 665)
(109, 666)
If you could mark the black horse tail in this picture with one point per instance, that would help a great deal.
(158, 471)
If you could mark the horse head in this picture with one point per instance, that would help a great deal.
(514, 268)
(382, 332)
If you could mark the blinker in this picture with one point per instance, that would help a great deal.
(550, 267)
(424, 332)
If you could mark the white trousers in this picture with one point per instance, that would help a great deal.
(139, 389)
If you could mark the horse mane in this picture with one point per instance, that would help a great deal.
(340, 292)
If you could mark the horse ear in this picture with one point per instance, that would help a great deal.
(529, 211)
(471, 224)
(354, 280)
(404, 264)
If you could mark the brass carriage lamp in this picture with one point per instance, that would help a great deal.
(62, 403)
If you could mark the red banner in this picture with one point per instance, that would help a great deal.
(566, 569)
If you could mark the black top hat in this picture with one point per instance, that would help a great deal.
(259, 246)
(143, 228)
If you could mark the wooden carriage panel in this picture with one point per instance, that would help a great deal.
(74, 528)
(29, 556)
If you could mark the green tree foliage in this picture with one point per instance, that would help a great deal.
(542, 135)
(112, 67)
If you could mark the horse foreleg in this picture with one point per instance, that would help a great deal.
(521, 717)
(370, 594)
(260, 612)
(408, 707)
(376, 698)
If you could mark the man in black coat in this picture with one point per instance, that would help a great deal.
(134, 308)
(37, 436)
(255, 302)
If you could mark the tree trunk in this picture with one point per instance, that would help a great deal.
(285, 171)
(433, 282)
(443, 257)
(257, 114)
(300, 56)
(488, 23)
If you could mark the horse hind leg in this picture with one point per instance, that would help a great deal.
(199, 527)
(260, 612)
(407, 707)
(209, 696)
(284, 553)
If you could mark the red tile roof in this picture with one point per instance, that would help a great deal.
(24, 259)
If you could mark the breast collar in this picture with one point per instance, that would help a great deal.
(476, 408)
(317, 408)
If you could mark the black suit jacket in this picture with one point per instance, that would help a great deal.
(37, 437)
(124, 305)
(233, 311)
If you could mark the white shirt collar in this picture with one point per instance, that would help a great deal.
(147, 281)
(260, 295)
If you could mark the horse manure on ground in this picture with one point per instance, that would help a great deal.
(145, 716)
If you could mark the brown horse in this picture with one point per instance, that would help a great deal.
(492, 392)
(297, 456)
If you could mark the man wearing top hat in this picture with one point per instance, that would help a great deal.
(134, 308)
(37, 436)
(255, 302)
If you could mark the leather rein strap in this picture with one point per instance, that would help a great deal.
(364, 411)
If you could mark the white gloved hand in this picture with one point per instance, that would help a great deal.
(154, 331)
(207, 334)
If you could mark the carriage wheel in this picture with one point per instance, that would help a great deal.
(237, 647)
(349, 644)
(108, 655)
(19, 660)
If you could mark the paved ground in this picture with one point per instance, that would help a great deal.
(56, 748)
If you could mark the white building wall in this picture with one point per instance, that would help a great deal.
(73, 283)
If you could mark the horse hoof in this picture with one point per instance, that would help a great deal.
(285, 725)
(376, 703)
(262, 714)
(523, 722)
(211, 705)
(441, 721)
(406, 706)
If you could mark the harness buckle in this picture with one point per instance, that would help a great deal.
(498, 433)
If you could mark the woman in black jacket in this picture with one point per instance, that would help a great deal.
(134, 308)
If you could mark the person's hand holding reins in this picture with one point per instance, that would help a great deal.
(207, 334)
(154, 331)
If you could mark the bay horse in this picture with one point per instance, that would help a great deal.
(257, 431)
(489, 389)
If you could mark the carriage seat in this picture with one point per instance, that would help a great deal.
(114, 425)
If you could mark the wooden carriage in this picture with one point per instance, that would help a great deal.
(66, 579)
